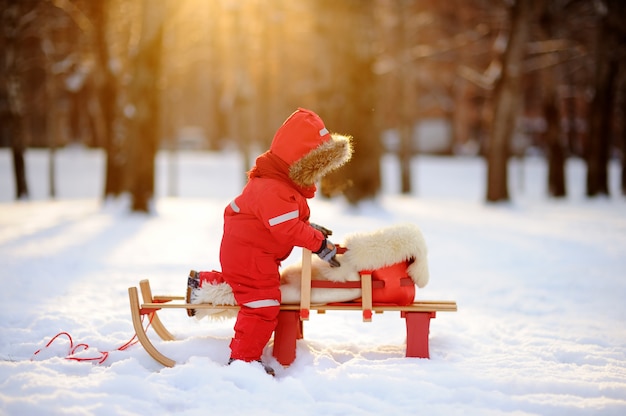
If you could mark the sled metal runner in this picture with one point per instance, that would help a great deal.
(291, 316)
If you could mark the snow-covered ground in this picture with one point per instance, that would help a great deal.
(540, 285)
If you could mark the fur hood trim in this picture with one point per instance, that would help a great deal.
(325, 158)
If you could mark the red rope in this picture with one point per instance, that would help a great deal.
(74, 349)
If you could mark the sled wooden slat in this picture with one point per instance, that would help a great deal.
(305, 285)
(366, 290)
(421, 306)
(162, 298)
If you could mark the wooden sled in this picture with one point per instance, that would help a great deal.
(291, 316)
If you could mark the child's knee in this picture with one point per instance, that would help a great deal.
(266, 313)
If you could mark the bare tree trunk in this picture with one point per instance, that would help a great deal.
(601, 111)
(623, 176)
(556, 151)
(235, 95)
(405, 155)
(599, 132)
(348, 103)
(267, 99)
(51, 128)
(551, 108)
(15, 118)
(52, 190)
(506, 103)
(107, 96)
(19, 166)
(146, 100)
(407, 94)
(18, 145)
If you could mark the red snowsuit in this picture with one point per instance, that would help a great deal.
(265, 222)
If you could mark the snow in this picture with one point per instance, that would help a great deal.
(540, 286)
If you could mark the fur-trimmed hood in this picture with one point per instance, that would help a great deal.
(308, 148)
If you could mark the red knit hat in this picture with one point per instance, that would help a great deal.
(302, 132)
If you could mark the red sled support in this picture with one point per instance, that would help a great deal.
(287, 332)
(417, 332)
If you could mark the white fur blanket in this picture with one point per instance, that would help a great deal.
(365, 251)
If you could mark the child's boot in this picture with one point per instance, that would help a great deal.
(193, 282)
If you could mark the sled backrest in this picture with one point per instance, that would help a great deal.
(306, 284)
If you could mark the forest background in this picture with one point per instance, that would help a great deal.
(488, 78)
